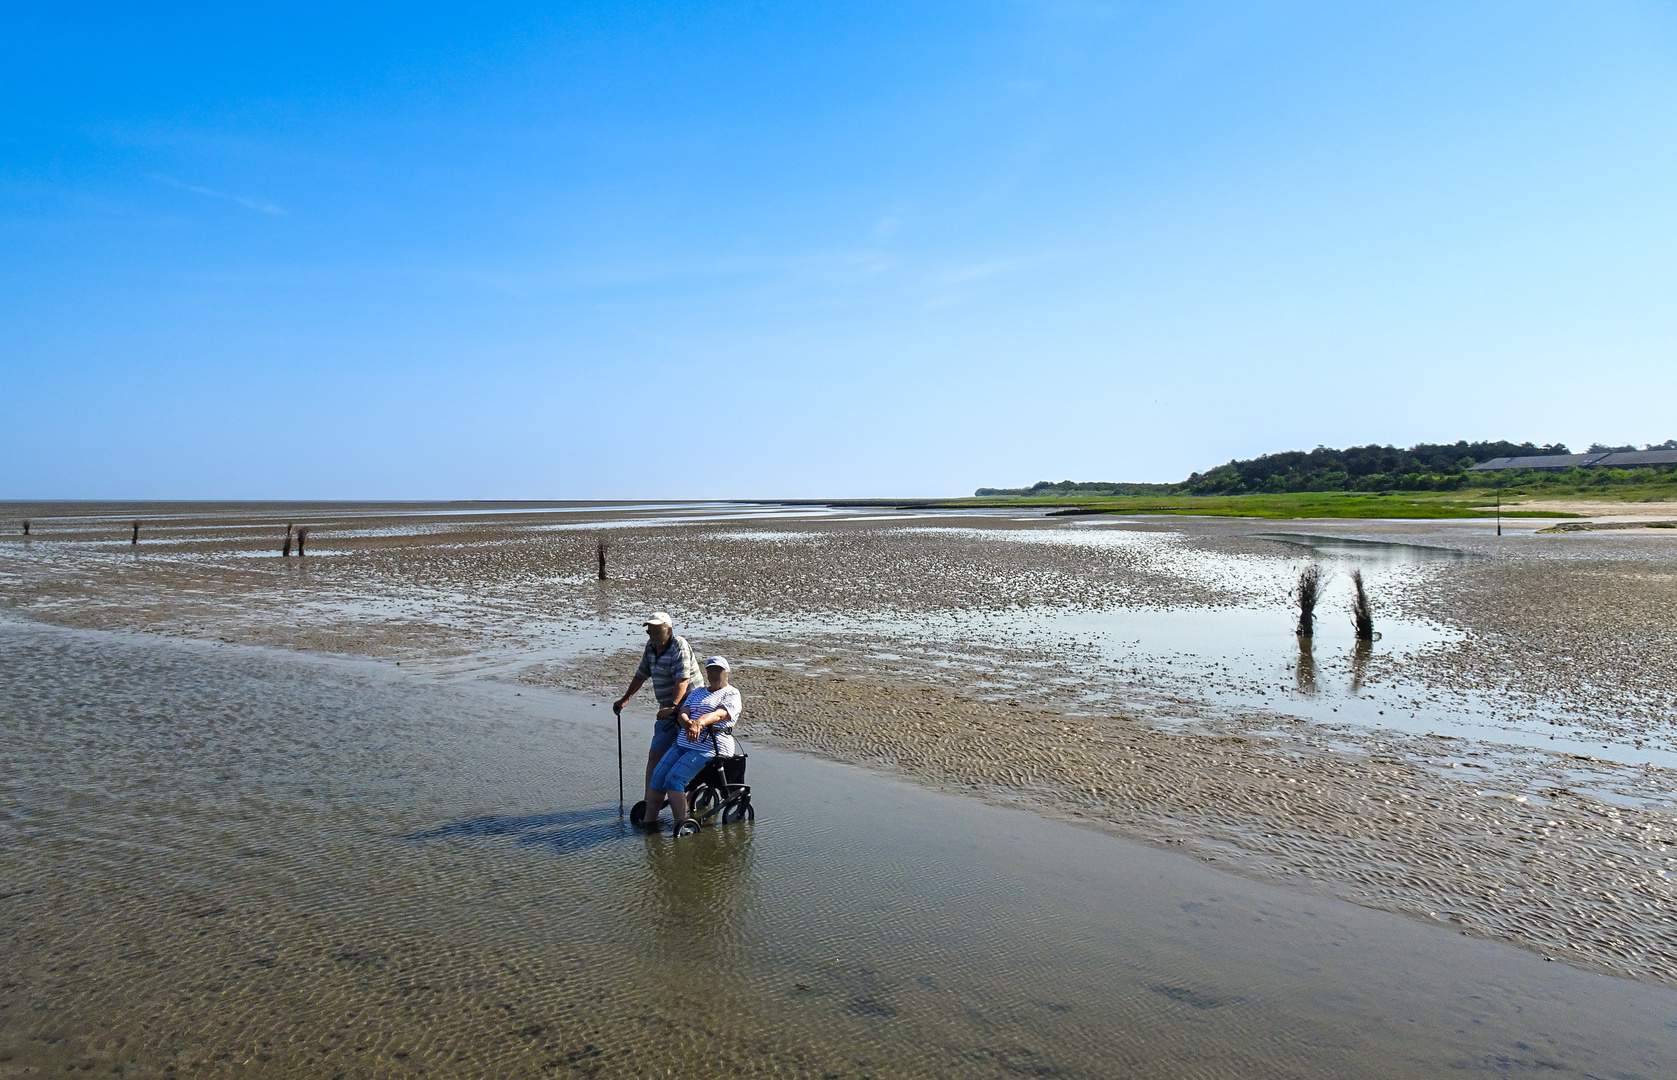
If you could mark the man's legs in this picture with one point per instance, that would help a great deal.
(663, 737)
(654, 804)
(656, 786)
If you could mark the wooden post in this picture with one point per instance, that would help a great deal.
(302, 535)
(136, 537)
(602, 560)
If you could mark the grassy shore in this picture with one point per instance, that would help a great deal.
(1467, 503)
(1308, 504)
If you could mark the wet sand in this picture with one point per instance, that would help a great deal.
(1502, 766)
(228, 860)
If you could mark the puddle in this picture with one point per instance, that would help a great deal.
(1369, 552)
(341, 869)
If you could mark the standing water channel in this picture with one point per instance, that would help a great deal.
(219, 860)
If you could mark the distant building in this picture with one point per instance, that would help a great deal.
(1636, 459)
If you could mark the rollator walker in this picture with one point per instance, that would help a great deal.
(717, 791)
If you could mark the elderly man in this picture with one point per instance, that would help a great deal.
(668, 662)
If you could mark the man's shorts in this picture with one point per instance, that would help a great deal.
(664, 733)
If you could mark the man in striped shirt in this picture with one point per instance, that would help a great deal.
(668, 662)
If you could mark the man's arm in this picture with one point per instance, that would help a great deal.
(634, 687)
(680, 696)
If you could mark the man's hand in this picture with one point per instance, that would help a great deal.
(617, 706)
(666, 712)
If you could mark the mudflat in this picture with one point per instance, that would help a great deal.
(222, 860)
(1499, 763)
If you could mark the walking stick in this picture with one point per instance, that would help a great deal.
(619, 713)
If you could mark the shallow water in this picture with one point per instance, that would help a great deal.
(1154, 620)
(233, 859)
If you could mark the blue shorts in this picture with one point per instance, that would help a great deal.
(677, 769)
(664, 734)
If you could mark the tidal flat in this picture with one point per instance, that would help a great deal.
(1497, 768)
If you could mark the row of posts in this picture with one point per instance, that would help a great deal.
(292, 532)
(300, 535)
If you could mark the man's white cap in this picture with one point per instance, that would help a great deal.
(718, 661)
(660, 618)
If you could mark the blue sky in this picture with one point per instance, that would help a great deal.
(698, 250)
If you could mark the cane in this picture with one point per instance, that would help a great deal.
(618, 709)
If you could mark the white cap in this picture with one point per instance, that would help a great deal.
(718, 661)
(660, 618)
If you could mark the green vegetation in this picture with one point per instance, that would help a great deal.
(1466, 503)
(1424, 481)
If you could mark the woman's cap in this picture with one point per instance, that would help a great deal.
(718, 661)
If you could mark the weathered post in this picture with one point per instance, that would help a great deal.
(286, 550)
(136, 537)
(26, 526)
(602, 553)
(302, 535)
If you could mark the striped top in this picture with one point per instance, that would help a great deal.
(700, 703)
(667, 670)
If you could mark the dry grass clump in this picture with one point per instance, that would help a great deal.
(1362, 614)
(1307, 594)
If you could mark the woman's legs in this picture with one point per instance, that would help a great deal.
(656, 786)
(670, 780)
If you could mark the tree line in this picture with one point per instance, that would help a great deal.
(1422, 467)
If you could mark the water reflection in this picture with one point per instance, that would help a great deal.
(1305, 669)
(697, 893)
(1376, 552)
(1360, 656)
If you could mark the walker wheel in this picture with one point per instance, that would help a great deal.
(704, 802)
(740, 811)
(637, 812)
(688, 827)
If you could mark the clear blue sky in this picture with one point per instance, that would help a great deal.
(731, 250)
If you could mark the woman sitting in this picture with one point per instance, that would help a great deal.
(705, 721)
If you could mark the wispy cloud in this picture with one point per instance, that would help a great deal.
(261, 206)
(979, 271)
